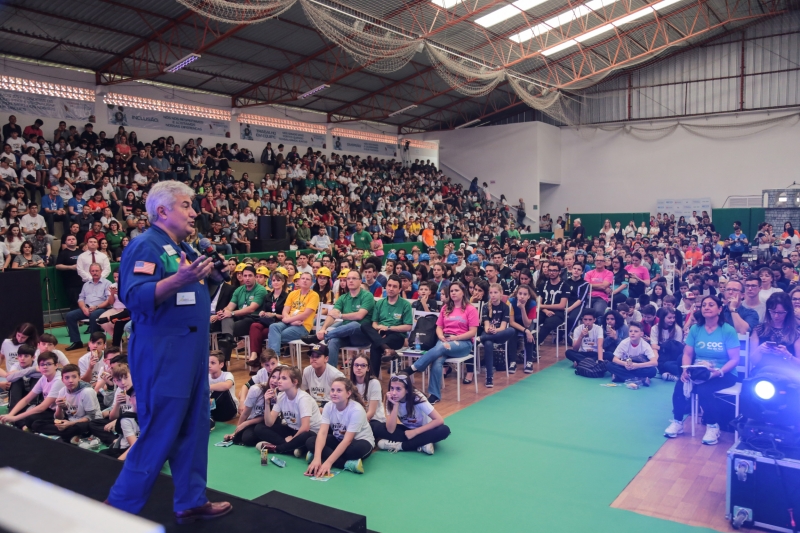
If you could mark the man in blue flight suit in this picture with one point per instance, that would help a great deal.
(163, 284)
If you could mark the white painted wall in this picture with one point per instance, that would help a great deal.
(605, 171)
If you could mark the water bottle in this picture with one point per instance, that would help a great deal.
(417, 343)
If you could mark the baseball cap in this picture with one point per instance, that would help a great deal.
(407, 275)
(318, 350)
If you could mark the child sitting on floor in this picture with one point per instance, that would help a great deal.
(254, 406)
(224, 403)
(634, 358)
(76, 406)
(300, 415)
(25, 413)
(318, 376)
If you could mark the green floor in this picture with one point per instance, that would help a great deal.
(551, 452)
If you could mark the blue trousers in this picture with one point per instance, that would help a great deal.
(501, 337)
(72, 322)
(283, 333)
(170, 368)
(620, 372)
(435, 359)
(348, 334)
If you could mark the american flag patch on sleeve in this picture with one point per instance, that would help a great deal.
(143, 267)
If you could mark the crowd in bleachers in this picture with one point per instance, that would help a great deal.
(669, 299)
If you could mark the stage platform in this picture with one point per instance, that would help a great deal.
(92, 475)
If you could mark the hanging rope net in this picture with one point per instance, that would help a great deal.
(549, 101)
(464, 76)
(376, 48)
(239, 11)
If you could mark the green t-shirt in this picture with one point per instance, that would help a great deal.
(513, 233)
(347, 304)
(242, 297)
(398, 314)
(114, 241)
(362, 239)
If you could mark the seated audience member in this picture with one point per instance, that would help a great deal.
(94, 362)
(94, 299)
(523, 305)
(76, 406)
(587, 339)
(353, 309)
(456, 327)
(666, 339)
(254, 406)
(369, 387)
(91, 257)
(714, 345)
(224, 404)
(118, 425)
(26, 258)
(26, 412)
(270, 312)
(21, 377)
(370, 282)
(412, 423)
(318, 376)
(127, 429)
(235, 318)
(268, 360)
(345, 436)
(299, 312)
(777, 336)
(300, 414)
(634, 359)
(554, 301)
(615, 332)
(752, 288)
(577, 292)
(496, 321)
(392, 319)
(426, 298)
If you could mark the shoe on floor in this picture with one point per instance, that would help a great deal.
(309, 457)
(264, 444)
(512, 368)
(390, 445)
(427, 449)
(309, 339)
(74, 346)
(646, 382)
(529, 367)
(666, 376)
(712, 435)
(489, 383)
(298, 453)
(208, 511)
(674, 429)
(389, 355)
(433, 400)
(92, 443)
(354, 466)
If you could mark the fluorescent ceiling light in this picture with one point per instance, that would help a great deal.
(182, 62)
(506, 12)
(600, 30)
(401, 111)
(447, 4)
(561, 20)
(470, 123)
(563, 45)
(313, 91)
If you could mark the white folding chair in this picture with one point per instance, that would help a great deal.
(296, 347)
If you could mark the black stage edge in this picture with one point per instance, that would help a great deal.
(17, 286)
(92, 475)
(355, 523)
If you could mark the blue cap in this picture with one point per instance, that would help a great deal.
(391, 256)
(424, 257)
(473, 258)
(452, 259)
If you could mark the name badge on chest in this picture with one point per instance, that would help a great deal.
(185, 298)
(170, 249)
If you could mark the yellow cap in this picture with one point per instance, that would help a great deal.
(283, 271)
(296, 277)
(264, 271)
(324, 271)
(240, 267)
(344, 273)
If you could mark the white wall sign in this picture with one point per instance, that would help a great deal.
(144, 118)
(254, 132)
(684, 207)
(347, 145)
(45, 106)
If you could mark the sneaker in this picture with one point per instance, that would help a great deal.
(433, 400)
(92, 443)
(646, 382)
(712, 435)
(389, 355)
(427, 449)
(666, 376)
(309, 339)
(75, 440)
(512, 368)
(489, 383)
(674, 429)
(264, 444)
(529, 367)
(390, 446)
(356, 467)
(309, 457)
(298, 453)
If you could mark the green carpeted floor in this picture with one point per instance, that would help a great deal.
(550, 453)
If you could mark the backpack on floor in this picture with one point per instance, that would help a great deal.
(426, 329)
(591, 368)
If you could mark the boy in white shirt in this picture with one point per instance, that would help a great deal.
(120, 430)
(587, 339)
(317, 377)
(91, 363)
(634, 358)
(76, 406)
(49, 385)
(21, 377)
(224, 403)
(268, 360)
(47, 343)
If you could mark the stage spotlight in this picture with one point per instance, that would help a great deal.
(765, 390)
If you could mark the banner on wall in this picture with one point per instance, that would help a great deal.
(684, 207)
(144, 118)
(39, 105)
(254, 132)
(347, 145)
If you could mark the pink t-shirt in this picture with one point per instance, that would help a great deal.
(459, 321)
(593, 276)
(640, 272)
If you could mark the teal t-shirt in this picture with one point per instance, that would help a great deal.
(242, 297)
(347, 304)
(713, 346)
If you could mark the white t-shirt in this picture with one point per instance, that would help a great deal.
(656, 337)
(353, 419)
(293, 411)
(255, 402)
(590, 341)
(49, 389)
(761, 309)
(62, 359)
(375, 393)
(9, 351)
(640, 353)
(763, 294)
(29, 223)
(129, 428)
(262, 376)
(83, 366)
(223, 377)
(422, 411)
(81, 403)
(319, 387)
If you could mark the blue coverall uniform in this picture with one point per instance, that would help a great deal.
(168, 358)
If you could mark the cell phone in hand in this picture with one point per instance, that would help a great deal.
(771, 345)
